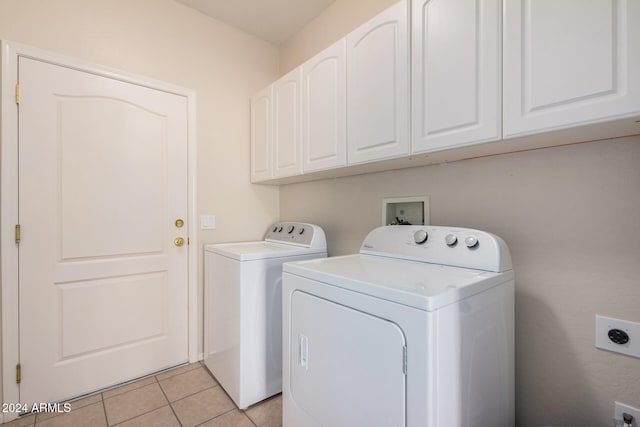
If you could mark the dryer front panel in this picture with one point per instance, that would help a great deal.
(347, 367)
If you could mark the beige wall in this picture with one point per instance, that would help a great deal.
(166, 41)
(570, 217)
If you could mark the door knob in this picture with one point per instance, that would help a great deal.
(179, 241)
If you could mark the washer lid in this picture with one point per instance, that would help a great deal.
(417, 284)
(248, 251)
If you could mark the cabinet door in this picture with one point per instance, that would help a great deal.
(287, 135)
(378, 88)
(569, 62)
(324, 124)
(261, 112)
(455, 73)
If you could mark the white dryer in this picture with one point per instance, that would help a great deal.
(243, 308)
(416, 330)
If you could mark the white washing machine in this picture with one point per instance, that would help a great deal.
(243, 308)
(416, 330)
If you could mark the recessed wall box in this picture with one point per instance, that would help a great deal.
(405, 210)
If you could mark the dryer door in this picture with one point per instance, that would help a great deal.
(347, 367)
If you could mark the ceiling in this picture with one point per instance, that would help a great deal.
(271, 20)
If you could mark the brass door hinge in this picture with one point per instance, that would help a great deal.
(18, 234)
(18, 373)
(18, 93)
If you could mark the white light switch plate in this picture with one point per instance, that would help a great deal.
(604, 324)
(207, 222)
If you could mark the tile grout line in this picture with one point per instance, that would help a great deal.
(191, 366)
(216, 384)
(104, 409)
(169, 401)
(152, 375)
(244, 413)
(102, 400)
(192, 394)
(138, 416)
(217, 416)
(249, 418)
(124, 392)
(144, 413)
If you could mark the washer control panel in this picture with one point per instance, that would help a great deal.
(458, 247)
(297, 233)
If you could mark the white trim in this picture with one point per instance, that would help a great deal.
(9, 199)
(8, 219)
(193, 228)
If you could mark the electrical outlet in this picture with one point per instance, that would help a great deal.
(618, 335)
(621, 408)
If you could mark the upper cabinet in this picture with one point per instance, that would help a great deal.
(487, 77)
(455, 86)
(276, 129)
(287, 124)
(378, 87)
(261, 116)
(569, 62)
(324, 121)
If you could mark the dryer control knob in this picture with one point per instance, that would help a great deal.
(279, 229)
(471, 242)
(290, 229)
(275, 228)
(301, 231)
(451, 240)
(420, 236)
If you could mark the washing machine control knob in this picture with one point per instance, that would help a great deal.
(290, 229)
(301, 231)
(471, 242)
(451, 240)
(279, 229)
(275, 228)
(420, 236)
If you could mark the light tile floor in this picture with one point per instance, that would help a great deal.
(187, 396)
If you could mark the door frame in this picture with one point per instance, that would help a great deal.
(9, 54)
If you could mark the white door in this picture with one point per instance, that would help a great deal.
(261, 112)
(378, 87)
(346, 367)
(569, 62)
(287, 124)
(324, 123)
(102, 181)
(455, 73)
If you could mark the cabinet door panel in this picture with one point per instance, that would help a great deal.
(570, 62)
(324, 131)
(287, 142)
(456, 72)
(261, 111)
(377, 88)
